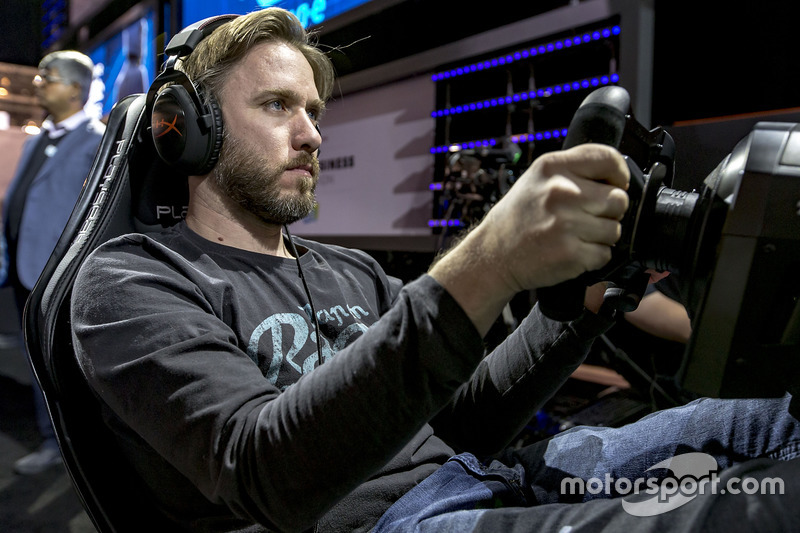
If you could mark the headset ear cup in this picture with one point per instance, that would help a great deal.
(185, 137)
(186, 130)
(169, 124)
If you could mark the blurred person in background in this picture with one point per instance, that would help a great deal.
(51, 171)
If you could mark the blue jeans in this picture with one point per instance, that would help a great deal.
(725, 456)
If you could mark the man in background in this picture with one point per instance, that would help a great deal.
(49, 176)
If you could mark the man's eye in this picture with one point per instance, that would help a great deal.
(277, 105)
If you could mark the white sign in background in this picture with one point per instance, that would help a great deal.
(376, 163)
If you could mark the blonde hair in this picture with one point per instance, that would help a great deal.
(208, 65)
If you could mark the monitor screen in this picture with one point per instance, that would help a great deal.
(125, 62)
(310, 12)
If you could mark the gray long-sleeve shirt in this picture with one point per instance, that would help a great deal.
(203, 355)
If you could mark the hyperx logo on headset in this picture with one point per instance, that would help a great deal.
(164, 126)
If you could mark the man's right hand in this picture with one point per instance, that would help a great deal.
(559, 220)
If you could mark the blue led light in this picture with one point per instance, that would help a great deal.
(523, 137)
(542, 92)
(443, 222)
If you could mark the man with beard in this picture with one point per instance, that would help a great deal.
(246, 401)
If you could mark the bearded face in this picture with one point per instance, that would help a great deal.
(253, 182)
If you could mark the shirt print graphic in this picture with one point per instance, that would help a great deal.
(292, 342)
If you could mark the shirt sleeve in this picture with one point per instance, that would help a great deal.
(514, 381)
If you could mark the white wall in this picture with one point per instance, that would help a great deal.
(377, 164)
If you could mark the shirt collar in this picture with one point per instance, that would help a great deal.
(65, 126)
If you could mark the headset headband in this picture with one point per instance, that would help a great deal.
(181, 45)
(184, 43)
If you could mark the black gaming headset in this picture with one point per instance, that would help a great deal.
(186, 129)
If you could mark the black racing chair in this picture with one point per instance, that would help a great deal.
(128, 189)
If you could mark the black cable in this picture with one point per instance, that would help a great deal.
(624, 357)
(308, 295)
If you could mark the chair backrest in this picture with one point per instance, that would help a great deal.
(129, 189)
